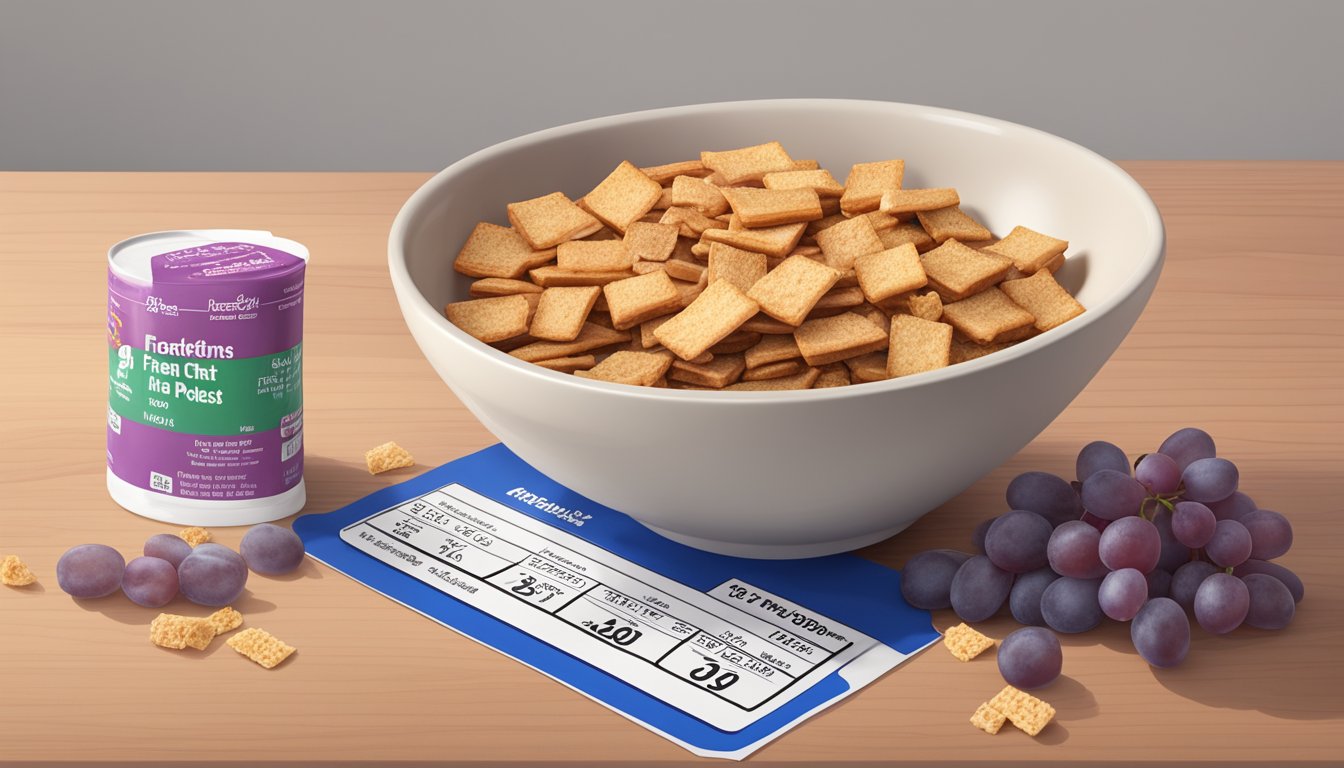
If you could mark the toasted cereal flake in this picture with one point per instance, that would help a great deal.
(988, 719)
(832, 339)
(569, 364)
(593, 256)
(739, 166)
(839, 298)
(957, 271)
(553, 276)
(820, 181)
(650, 241)
(386, 457)
(715, 313)
(803, 380)
(688, 221)
(226, 619)
(493, 319)
(866, 183)
(195, 535)
(772, 207)
(950, 222)
(690, 192)
(1043, 297)
(495, 251)
(845, 242)
(635, 299)
(177, 632)
(906, 232)
(490, 287)
(965, 642)
(549, 220)
(739, 267)
(623, 197)
(562, 312)
(689, 271)
(928, 306)
(869, 367)
(640, 369)
(964, 349)
(788, 292)
(1029, 250)
(987, 315)
(769, 326)
(913, 200)
(737, 341)
(773, 349)
(669, 172)
(837, 376)
(14, 573)
(774, 370)
(718, 373)
(593, 336)
(917, 345)
(1024, 711)
(772, 241)
(260, 646)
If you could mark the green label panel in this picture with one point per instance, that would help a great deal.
(205, 397)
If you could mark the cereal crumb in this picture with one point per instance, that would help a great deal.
(226, 619)
(387, 456)
(988, 719)
(965, 643)
(195, 536)
(14, 573)
(261, 647)
(177, 632)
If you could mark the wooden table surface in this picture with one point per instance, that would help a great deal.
(1244, 337)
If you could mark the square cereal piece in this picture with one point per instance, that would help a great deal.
(963, 350)
(637, 368)
(645, 267)
(788, 292)
(561, 312)
(845, 242)
(195, 535)
(820, 181)
(662, 204)
(839, 337)
(688, 221)
(715, 313)
(635, 299)
(772, 207)
(803, 380)
(896, 201)
(739, 267)
(988, 719)
(387, 457)
(987, 315)
(928, 306)
(491, 287)
(869, 367)
(917, 345)
(886, 273)
(261, 646)
(178, 632)
(688, 292)
(593, 256)
(766, 325)
(906, 232)
(771, 241)
(698, 194)
(839, 298)
(14, 573)
(1024, 711)
(739, 166)
(1030, 250)
(866, 183)
(945, 223)
(718, 373)
(772, 348)
(646, 338)
(670, 171)
(624, 196)
(825, 222)
(494, 319)
(1043, 297)
(569, 364)
(882, 221)
(549, 220)
(552, 276)
(956, 271)
(774, 370)
(690, 271)
(226, 619)
(495, 251)
(591, 337)
(737, 341)
(965, 643)
(837, 376)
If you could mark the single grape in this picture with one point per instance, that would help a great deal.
(1271, 603)
(1234, 507)
(271, 550)
(90, 570)
(1174, 554)
(978, 535)
(1049, 496)
(1131, 542)
(1072, 551)
(979, 589)
(1221, 603)
(1188, 445)
(1230, 544)
(926, 581)
(166, 546)
(1122, 594)
(1016, 541)
(1193, 523)
(1186, 580)
(1024, 600)
(1030, 658)
(1289, 579)
(212, 574)
(1159, 473)
(1271, 533)
(1161, 633)
(1112, 495)
(1099, 455)
(1159, 583)
(150, 581)
(1209, 480)
(1070, 605)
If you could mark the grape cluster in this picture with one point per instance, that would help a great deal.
(209, 574)
(1171, 538)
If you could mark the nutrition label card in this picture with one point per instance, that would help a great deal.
(720, 654)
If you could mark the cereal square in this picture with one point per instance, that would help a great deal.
(493, 319)
(387, 457)
(195, 535)
(772, 348)
(739, 166)
(965, 642)
(820, 181)
(886, 273)
(774, 370)
(569, 364)
(178, 632)
(1043, 297)
(624, 196)
(988, 719)
(670, 171)
(1024, 711)
(552, 276)
(226, 619)
(869, 367)
(650, 241)
(845, 242)
(690, 271)
(491, 287)
(928, 306)
(635, 299)
(495, 251)
(14, 573)
(640, 369)
(561, 312)
(688, 221)
(690, 192)
(906, 232)
(739, 267)
(839, 298)
(986, 315)
(715, 313)
(945, 223)
(832, 339)
(593, 256)
(771, 241)
(549, 220)
(260, 646)
(772, 207)
(866, 183)
(718, 373)
(917, 345)
(788, 292)
(593, 336)
(803, 380)
(957, 271)
(837, 376)
(1030, 251)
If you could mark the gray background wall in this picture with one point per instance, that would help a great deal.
(406, 85)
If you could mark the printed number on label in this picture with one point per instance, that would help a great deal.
(706, 674)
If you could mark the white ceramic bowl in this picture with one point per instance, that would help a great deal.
(789, 474)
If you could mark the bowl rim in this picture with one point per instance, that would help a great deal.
(408, 215)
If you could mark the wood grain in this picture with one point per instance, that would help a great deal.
(1244, 336)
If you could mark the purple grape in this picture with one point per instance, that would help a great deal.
(90, 570)
(1174, 553)
(1230, 544)
(1271, 603)
(978, 535)
(1192, 523)
(1271, 534)
(1186, 580)
(1234, 507)
(150, 581)
(979, 589)
(1112, 495)
(166, 546)
(1099, 455)
(1122, 594)
(1161, 633)
(1024, 600)
(1016, 541)
(212, 575)
(1289, 579)
(1070, 605)
(1072, 551)
(926, 581)
(1158, 473)
(1188, 445)
(1030, 658)
(1131, 542)
(1221, 603)
(1159, 583)
(272, 550)
(1049, 496)
(1209, 480)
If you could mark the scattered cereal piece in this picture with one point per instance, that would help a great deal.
(593, 256)
(1029, 250)
(832, 339)
(928, 306)
(718, 311)
(772, 241)
(788, 292)
(906, 232)
(195, 535)
(561, 312)
(838, 298)
(739, 267)
(493, 319)
(592, 336)
(261, 647)
(869, 367)
(718, 373)
(386, 457)
(832, 377)
(913, 200)
(669, 172)
(690, 192)
(690, 271)
(495, 251)
(688, 221)
(1023, 710)
(917, 345)
(945, 223)
(649, 241)
(773, 348)
(987, 315)
(630, 367)
(553, 276)
(965, 642)
(803, 380)
(569, 364)
(847, 241)
(739, 166)
(1043, 297)
(773, 370)
(547, 221)
(884, 274)
(818, 180)
(226, 619)
(178, 632)
(988, 719)
(773, 207)
(866, 183)
(623, 197)
(490, 287)
(957, 271)
(635, 299)
(13, 572)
